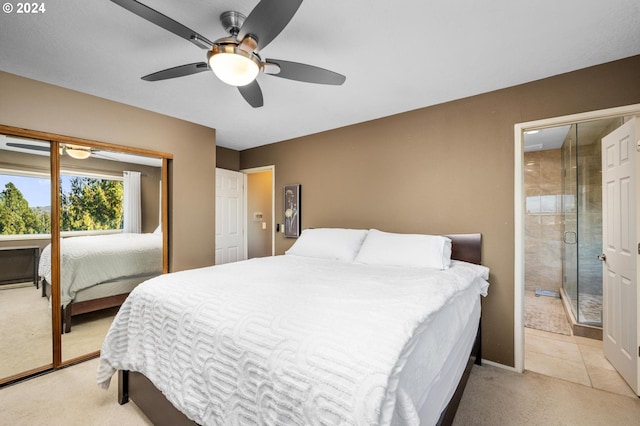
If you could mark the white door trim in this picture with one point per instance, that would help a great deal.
(519, 257)
(246, 172)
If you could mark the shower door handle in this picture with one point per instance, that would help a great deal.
(602, 257)
(567, 240)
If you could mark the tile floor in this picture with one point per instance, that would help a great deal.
(572, 358)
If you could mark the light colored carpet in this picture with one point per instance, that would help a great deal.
(493, 396)
(67, 397)
(87, 333)
(545, 313)
(25, 331)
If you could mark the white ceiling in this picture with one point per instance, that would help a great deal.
(543, 139)
(583, 133)
(397, 55)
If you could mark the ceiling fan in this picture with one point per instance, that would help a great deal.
(235, 59)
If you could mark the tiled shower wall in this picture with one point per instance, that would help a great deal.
(543, 220)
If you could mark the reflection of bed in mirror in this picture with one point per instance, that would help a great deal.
(98, 271)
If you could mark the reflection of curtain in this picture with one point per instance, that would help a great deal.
(132, 205)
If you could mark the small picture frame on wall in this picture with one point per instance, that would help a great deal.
(292, 211)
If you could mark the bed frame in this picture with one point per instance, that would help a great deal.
(135, 386)
(91, 305)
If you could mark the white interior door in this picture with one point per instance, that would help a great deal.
(620, 243)
(229, 216)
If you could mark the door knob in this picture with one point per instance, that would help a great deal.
(602, 257)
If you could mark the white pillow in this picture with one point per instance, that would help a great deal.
(329, 243)
(413, 250)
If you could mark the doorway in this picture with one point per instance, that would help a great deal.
(520, 218)
(260, 212)
(563, 227)
(563, 239)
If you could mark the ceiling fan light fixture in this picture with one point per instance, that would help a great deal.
(233, 65)
(77, 152)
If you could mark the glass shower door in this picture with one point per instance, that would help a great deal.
(582, 215)
(589, 212)
(570, 219)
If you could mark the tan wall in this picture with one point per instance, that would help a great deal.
(227, 159)
(447, 168)
(37, 106)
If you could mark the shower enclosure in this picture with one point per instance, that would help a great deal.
(582, 219)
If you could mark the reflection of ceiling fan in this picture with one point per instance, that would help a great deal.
(78, 152)
(235, 59)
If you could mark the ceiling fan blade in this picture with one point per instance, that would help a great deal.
(252, 94)
(165, 22)
(179, 71)
(27, 146)
(268, 19)
(304, 72)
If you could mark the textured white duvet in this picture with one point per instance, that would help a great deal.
(281, 340)
(89, 260)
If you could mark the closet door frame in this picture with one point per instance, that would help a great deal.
(55, 142)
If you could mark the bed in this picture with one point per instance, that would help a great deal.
(342, 329)
(99, 271)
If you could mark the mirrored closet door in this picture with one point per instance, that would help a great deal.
(110, 224)
(25, 230)
(89, 227)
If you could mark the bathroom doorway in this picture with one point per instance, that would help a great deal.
(563, 227)
(573, 358)
(558, 270)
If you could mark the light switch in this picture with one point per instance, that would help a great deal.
(264, 225)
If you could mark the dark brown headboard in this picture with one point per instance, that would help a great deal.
(466, 247)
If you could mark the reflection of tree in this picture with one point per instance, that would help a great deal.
(16, 217)
(291, 212)
(91, 204)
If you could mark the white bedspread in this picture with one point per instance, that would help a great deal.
(281, 340)
(89, 260)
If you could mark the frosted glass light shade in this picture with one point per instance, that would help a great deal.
(77, 152)
(234, 66)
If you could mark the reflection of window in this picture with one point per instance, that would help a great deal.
(90, 203)
(25, 206)
(548, 204)
(87, 203)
